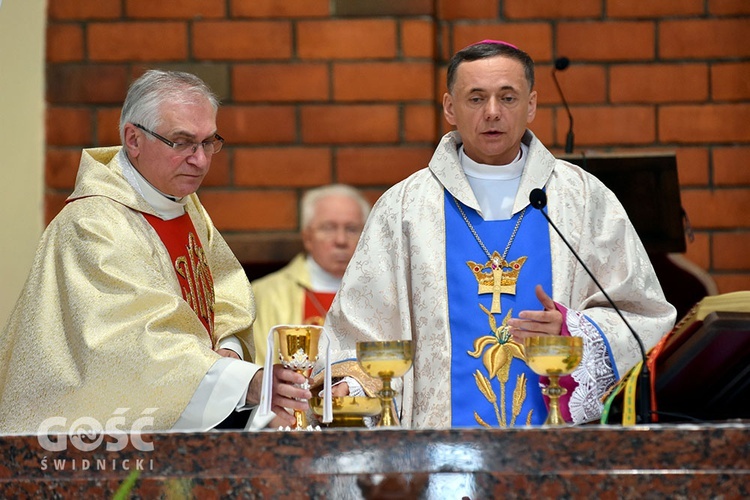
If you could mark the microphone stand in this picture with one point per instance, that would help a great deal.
(561, 64)
(538, 200)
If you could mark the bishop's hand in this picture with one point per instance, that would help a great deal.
(534, 323)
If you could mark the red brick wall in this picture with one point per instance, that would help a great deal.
(319, 91)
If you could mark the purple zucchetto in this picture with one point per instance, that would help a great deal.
(496, 42)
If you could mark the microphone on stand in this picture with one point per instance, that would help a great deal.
(561, 63)
(538, 200)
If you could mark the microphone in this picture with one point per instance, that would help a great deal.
(538, 200)
(562, 63)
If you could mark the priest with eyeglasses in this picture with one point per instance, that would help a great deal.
(135, 307)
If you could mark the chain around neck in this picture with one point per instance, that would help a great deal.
(479, 240)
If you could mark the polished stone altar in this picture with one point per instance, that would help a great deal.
(677, 461)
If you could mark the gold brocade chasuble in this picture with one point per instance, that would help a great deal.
(190, 265)
(104, 320)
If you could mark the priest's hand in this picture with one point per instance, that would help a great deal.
(284, 394)
(340, 390)
(227, 353)
(534, 323)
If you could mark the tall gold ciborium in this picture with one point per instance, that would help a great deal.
(553, 357)
(298, 350)
(386, 360)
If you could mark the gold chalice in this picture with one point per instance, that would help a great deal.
(298, 350)
(348, 411)
(553, 356)
(386, 360)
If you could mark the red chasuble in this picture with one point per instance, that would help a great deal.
(316, 307)
(190, 264)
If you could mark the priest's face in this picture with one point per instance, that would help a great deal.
(491, 105)
(173, 172)
(332, 234)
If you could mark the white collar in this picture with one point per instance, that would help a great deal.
(165, 206)
(512, 170)
(320, 279)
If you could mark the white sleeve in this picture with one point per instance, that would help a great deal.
(355, 388)
(222, 390)
(233, 344)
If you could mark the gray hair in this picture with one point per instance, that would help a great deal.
(311, 198)
(154, 88)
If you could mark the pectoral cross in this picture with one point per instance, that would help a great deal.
(497, 281)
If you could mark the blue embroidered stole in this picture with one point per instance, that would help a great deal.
(491, 385)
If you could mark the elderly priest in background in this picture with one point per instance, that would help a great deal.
(455, 259)
(135, 306)
(301, 292)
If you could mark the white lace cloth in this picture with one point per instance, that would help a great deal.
(594, 375)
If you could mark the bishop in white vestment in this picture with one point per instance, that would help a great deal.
(455, 259)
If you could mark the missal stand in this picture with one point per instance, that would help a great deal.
(702, 373)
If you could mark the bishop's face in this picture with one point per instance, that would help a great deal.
(174, 173)
(491, 105)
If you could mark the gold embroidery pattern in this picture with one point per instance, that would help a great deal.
(497, 351)
(497, 276)
(193, 267)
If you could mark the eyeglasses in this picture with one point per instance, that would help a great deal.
(330, 231)
(189, 148)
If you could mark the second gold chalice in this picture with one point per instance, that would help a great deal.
(386, 360)
(298, 350)
(553, 357)
(348, 411)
